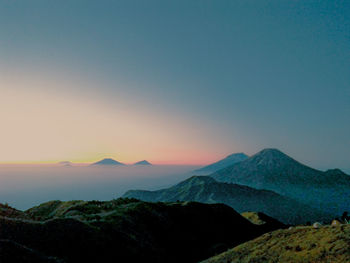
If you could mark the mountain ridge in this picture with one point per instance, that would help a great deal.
(242, 198)
(273, 170)
(227, 161)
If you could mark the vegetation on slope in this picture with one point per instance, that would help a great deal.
(296, 245)
(259, 218)
(10, 212)
(128, 230)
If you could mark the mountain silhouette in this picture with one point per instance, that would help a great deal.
(205, 189)
(65, 163)
(108, 161)
(229, 160)
(273, 170)
(144, 162)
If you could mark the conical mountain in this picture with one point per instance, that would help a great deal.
(273, 170)
(108, 162)
(144, 162)
(227, 161)
(271, 166)
(268, 165)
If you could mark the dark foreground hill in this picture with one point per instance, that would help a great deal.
(297, 245)
(12, 252)
(273, 170)
(205, 189)
(10, 212)
(124, 230)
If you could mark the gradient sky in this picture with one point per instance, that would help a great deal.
(174, 81)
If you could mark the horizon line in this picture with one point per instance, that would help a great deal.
(89, 163)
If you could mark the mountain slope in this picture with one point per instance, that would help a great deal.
(10, 212)
(108, 161)
(273, 170)
(297, 245)
(229, 160)
(242, 198)
(144, 162)
(128, 230)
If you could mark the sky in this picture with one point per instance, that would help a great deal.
(174, 82)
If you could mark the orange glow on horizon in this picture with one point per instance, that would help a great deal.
(52, 124)
(189, 161)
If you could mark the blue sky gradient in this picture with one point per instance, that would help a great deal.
(255, 74)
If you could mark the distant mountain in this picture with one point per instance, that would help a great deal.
(123, 230)
(65, 163)
(242, 198)
(108, 161)
(144, 162)
(297, 245)
(273, 170)
(229, 160)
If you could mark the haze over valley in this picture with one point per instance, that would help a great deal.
(28, 185)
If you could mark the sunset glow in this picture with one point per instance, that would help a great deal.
(174, 83)
(45, 121)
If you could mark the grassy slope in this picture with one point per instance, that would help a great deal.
(302, 244)
(259, 218)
